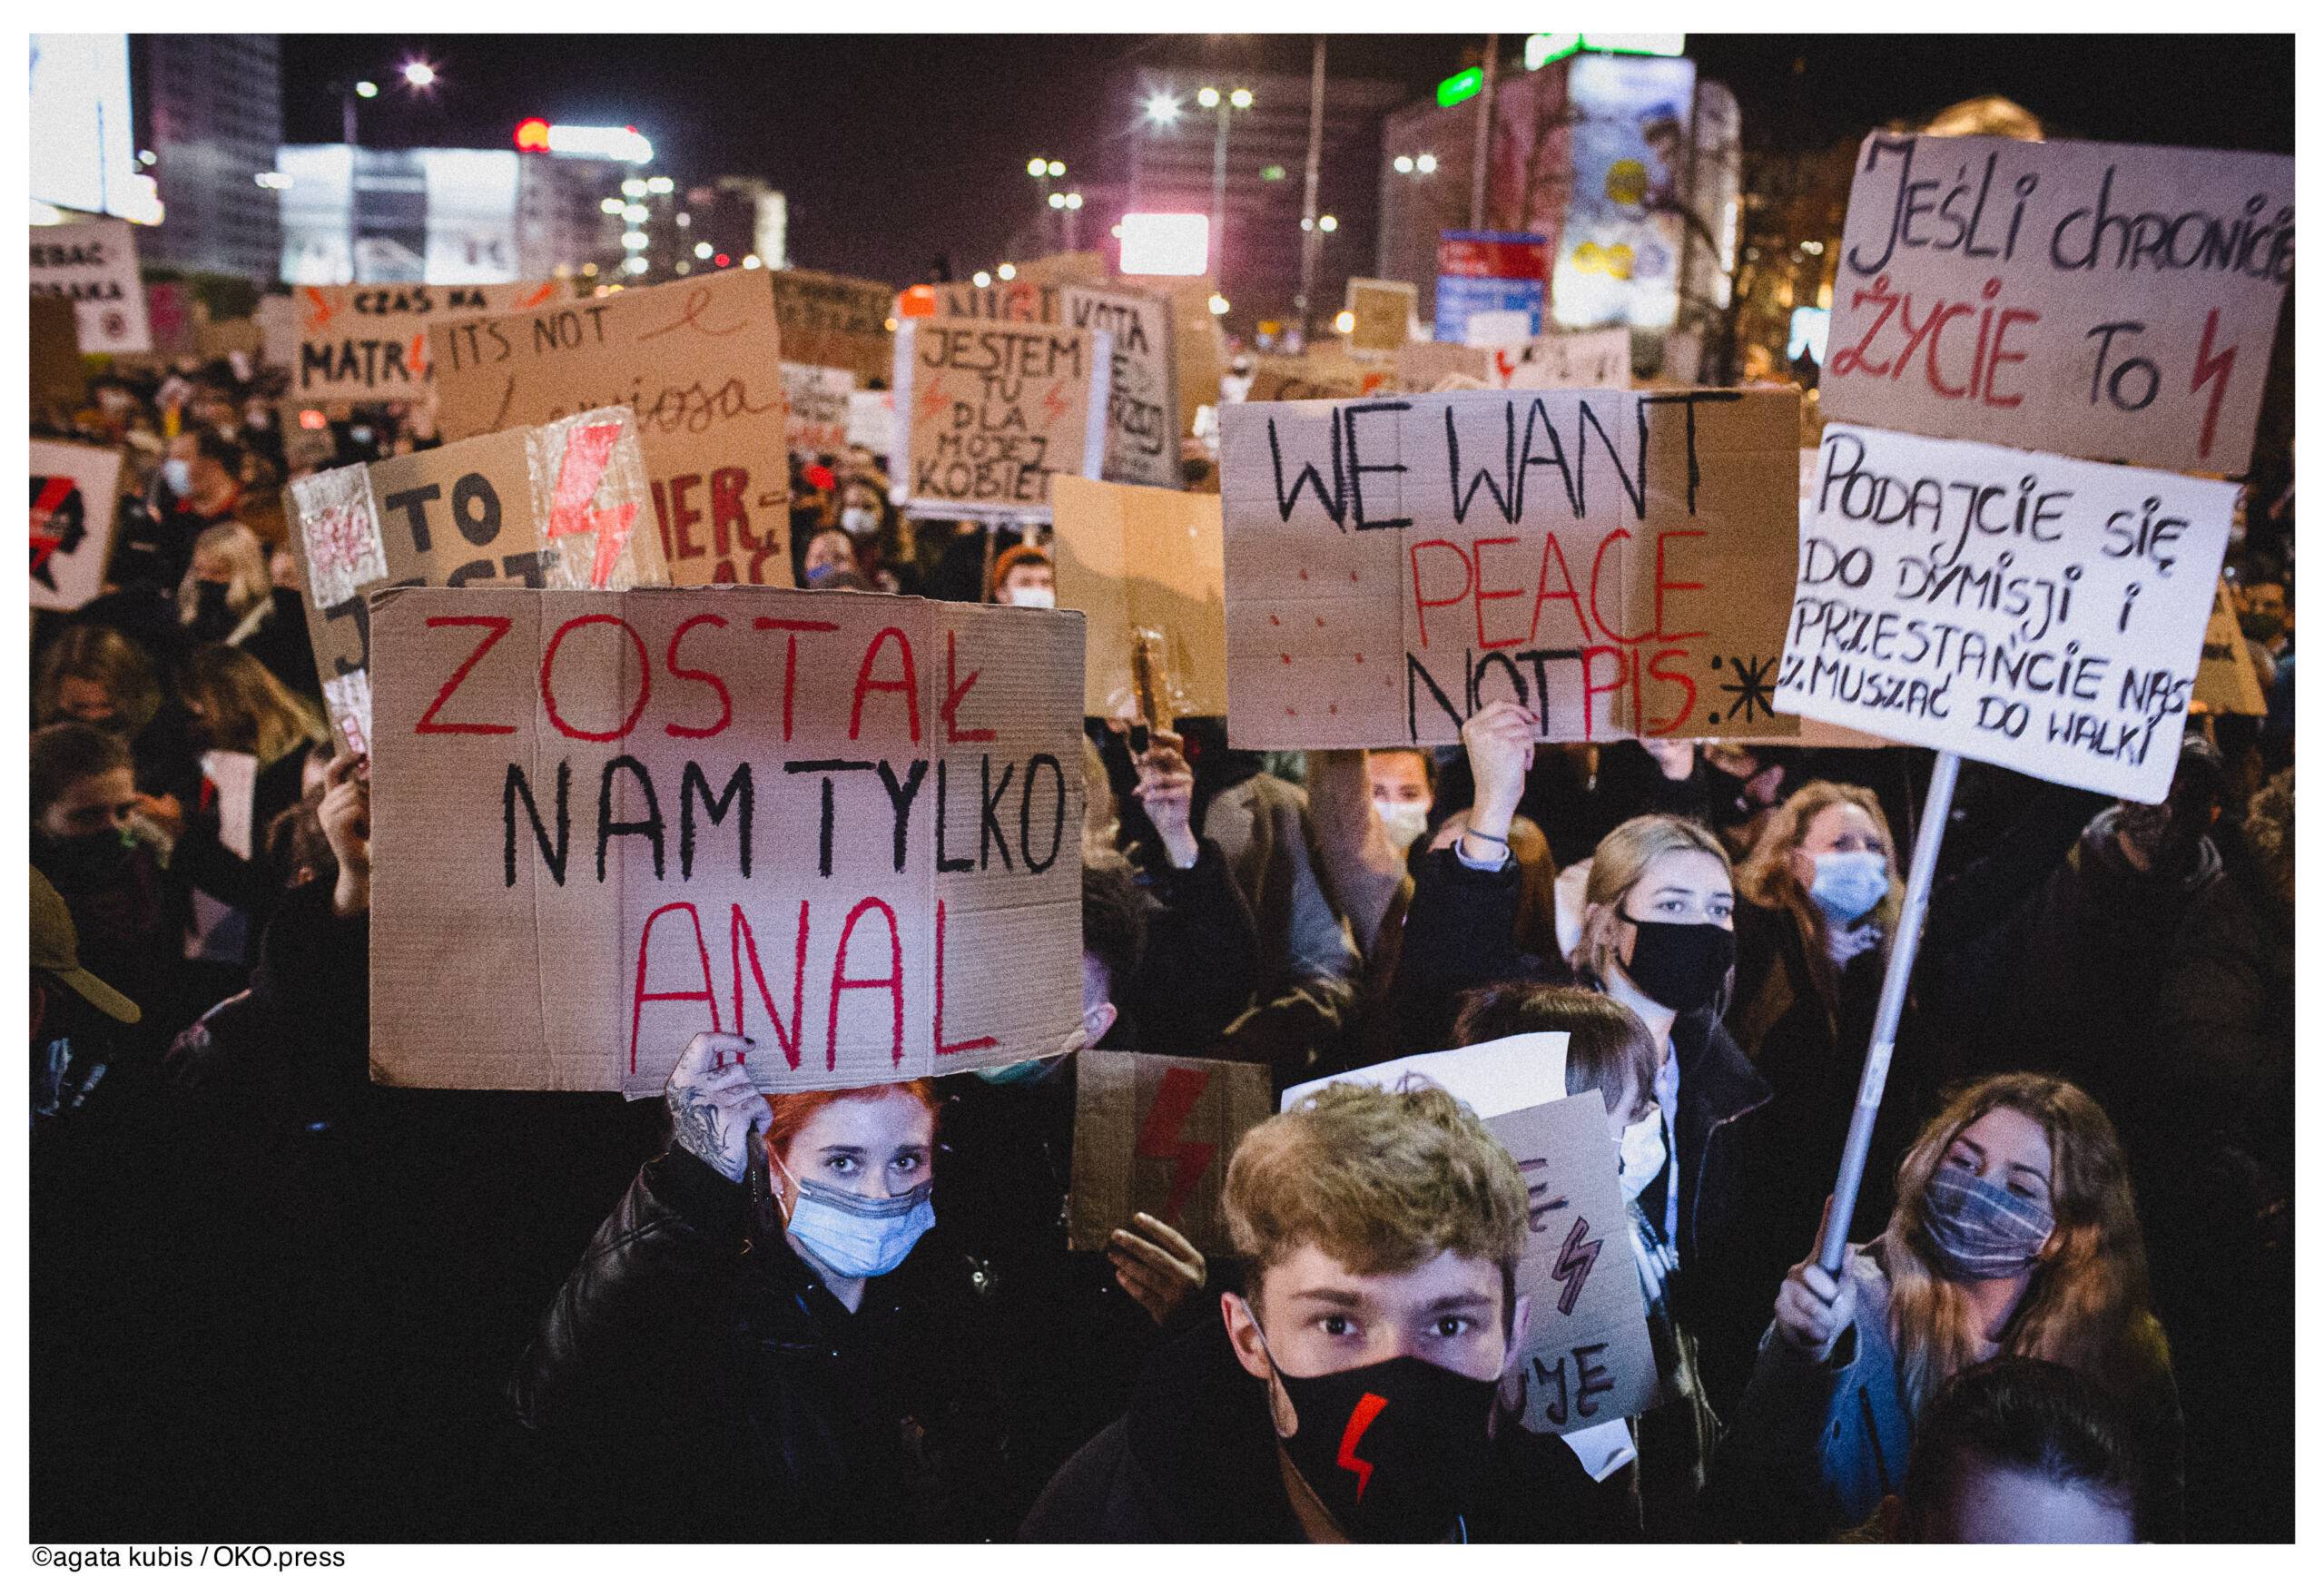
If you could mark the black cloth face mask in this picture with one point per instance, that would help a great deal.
(1681, 966)
(1391, 1449)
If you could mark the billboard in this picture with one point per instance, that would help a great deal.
(1618, 254)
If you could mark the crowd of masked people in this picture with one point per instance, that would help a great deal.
(273, 1300)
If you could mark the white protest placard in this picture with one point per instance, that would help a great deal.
(816, 401)
(94, 267)
(1616, 562)
(364, 342)
(870, 421)
(555, 506)
(1588, 1358)
(2043, 613)
(846, 826)
(990, 410)
(1593, 359)
(2095, 298)
(73, 486)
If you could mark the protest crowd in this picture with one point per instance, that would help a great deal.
(282, 1290)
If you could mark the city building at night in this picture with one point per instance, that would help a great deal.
(209, 109)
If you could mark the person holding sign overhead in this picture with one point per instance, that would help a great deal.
(2014, 1235)
(744, 1302)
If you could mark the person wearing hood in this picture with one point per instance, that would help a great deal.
(1350, 1390)
(763, 1302)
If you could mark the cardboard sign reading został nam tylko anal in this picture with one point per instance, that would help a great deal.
(846, 826)
(559, 506)
(1618, 562)
(700, 362)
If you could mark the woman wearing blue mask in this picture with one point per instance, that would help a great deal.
(2015, 1235)
(760, 1298)
(1817, 901)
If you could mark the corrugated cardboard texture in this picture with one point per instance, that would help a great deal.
(1384, 313)
(699, 361)
(992, 410)
(1664, 582)
(1154, 1134)
(488, 971)
(2227, 680)
(1139, 558)
(2026, 249)
(2043, 613)
(1588, 1358)
(832, 320)
(358, 342)
(470, 514)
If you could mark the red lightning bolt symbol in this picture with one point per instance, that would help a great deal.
(53, 491)
(1161, 1139)
(2207, 368)
(1574, 1259)
(587, 455)
(1367, 1408)
(1054, 400)
(932, 401)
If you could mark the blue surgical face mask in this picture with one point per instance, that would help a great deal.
(841, 1233)
(1850, 884)
(1031, 1071)
(177, 475)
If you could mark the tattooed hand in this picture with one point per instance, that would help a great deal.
(715, 1112)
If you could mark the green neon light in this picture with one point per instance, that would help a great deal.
(1467, 84)
(1543, 48)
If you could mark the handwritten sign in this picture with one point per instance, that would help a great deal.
(2043, 613)
(1320, 375)
(94, 267)
(832, 320)
(1142, 401)
(1154, 1134)
(1423, 365)
(815, 423)
(1141, 562)
(2092, 298)
(992, 410)
(1616, 562)
(1383, 311)
(555, 506)
(73, 486)
(844, 826)
(1595, 359)
(2227, 680)
(363, 342)
(1588, 1358)
(700, 362)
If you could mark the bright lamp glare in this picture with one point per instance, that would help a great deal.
(1240, 98)
(1404, 163)
(1037, 166)
(1218, 305)
(1328, 224)
(1057, 199)
(1425, 163)
(367, 89)
(1207, 98)
(419, 73)
(1162, 109)
(1073, 200)
(981, 280)
(1057, 167)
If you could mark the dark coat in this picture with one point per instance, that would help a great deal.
(1201, 968)
(1195, 1461)
(694, 1362)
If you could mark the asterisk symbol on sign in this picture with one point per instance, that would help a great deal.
(1753, 677)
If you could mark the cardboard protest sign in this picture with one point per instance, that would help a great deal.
(171, 318)
(846, 826)
(1588, 1358)
(2227, 679)
(871, 420)
(699, 361)
(2043, 613)
(1154, 1134)
(1383, 310)
(1595, 359)
(2092, 298)
(1319, 376)
(1200, 346)
(1141, 402)
(1145, 565)
(278, 330)
(991, 411)
(94, 267)
(815, 402)
(55, 353)
(73, 486)
(555, 506)
(1614, 561)
(832, 320)
(365, 342)
(1422, 364)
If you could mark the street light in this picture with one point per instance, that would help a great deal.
(1327, 225)
(1162, 108)
(1218, 305)
(1057, 199)
(1037, 166)
(1240, 98)
(1404, 163)
(1007, 270)
(1425, 163)
(981, 280)
(1056, 168)
(703, 249)
(1207, 98)
(367, 89)
(419, 74)
(1073, 200)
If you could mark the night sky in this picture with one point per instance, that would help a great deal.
(892, 149)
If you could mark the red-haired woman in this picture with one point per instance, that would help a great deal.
(767, 1336)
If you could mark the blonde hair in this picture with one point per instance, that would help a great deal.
(2086, 1305)
(1765, 877)
(250, 584)
(1382, 1180)
(1620, 863)
(100, 655)
(244, 706)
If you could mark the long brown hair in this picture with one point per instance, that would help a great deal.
(100, 655)
(244, 706)
(2087, 1304)
(1767, 880)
